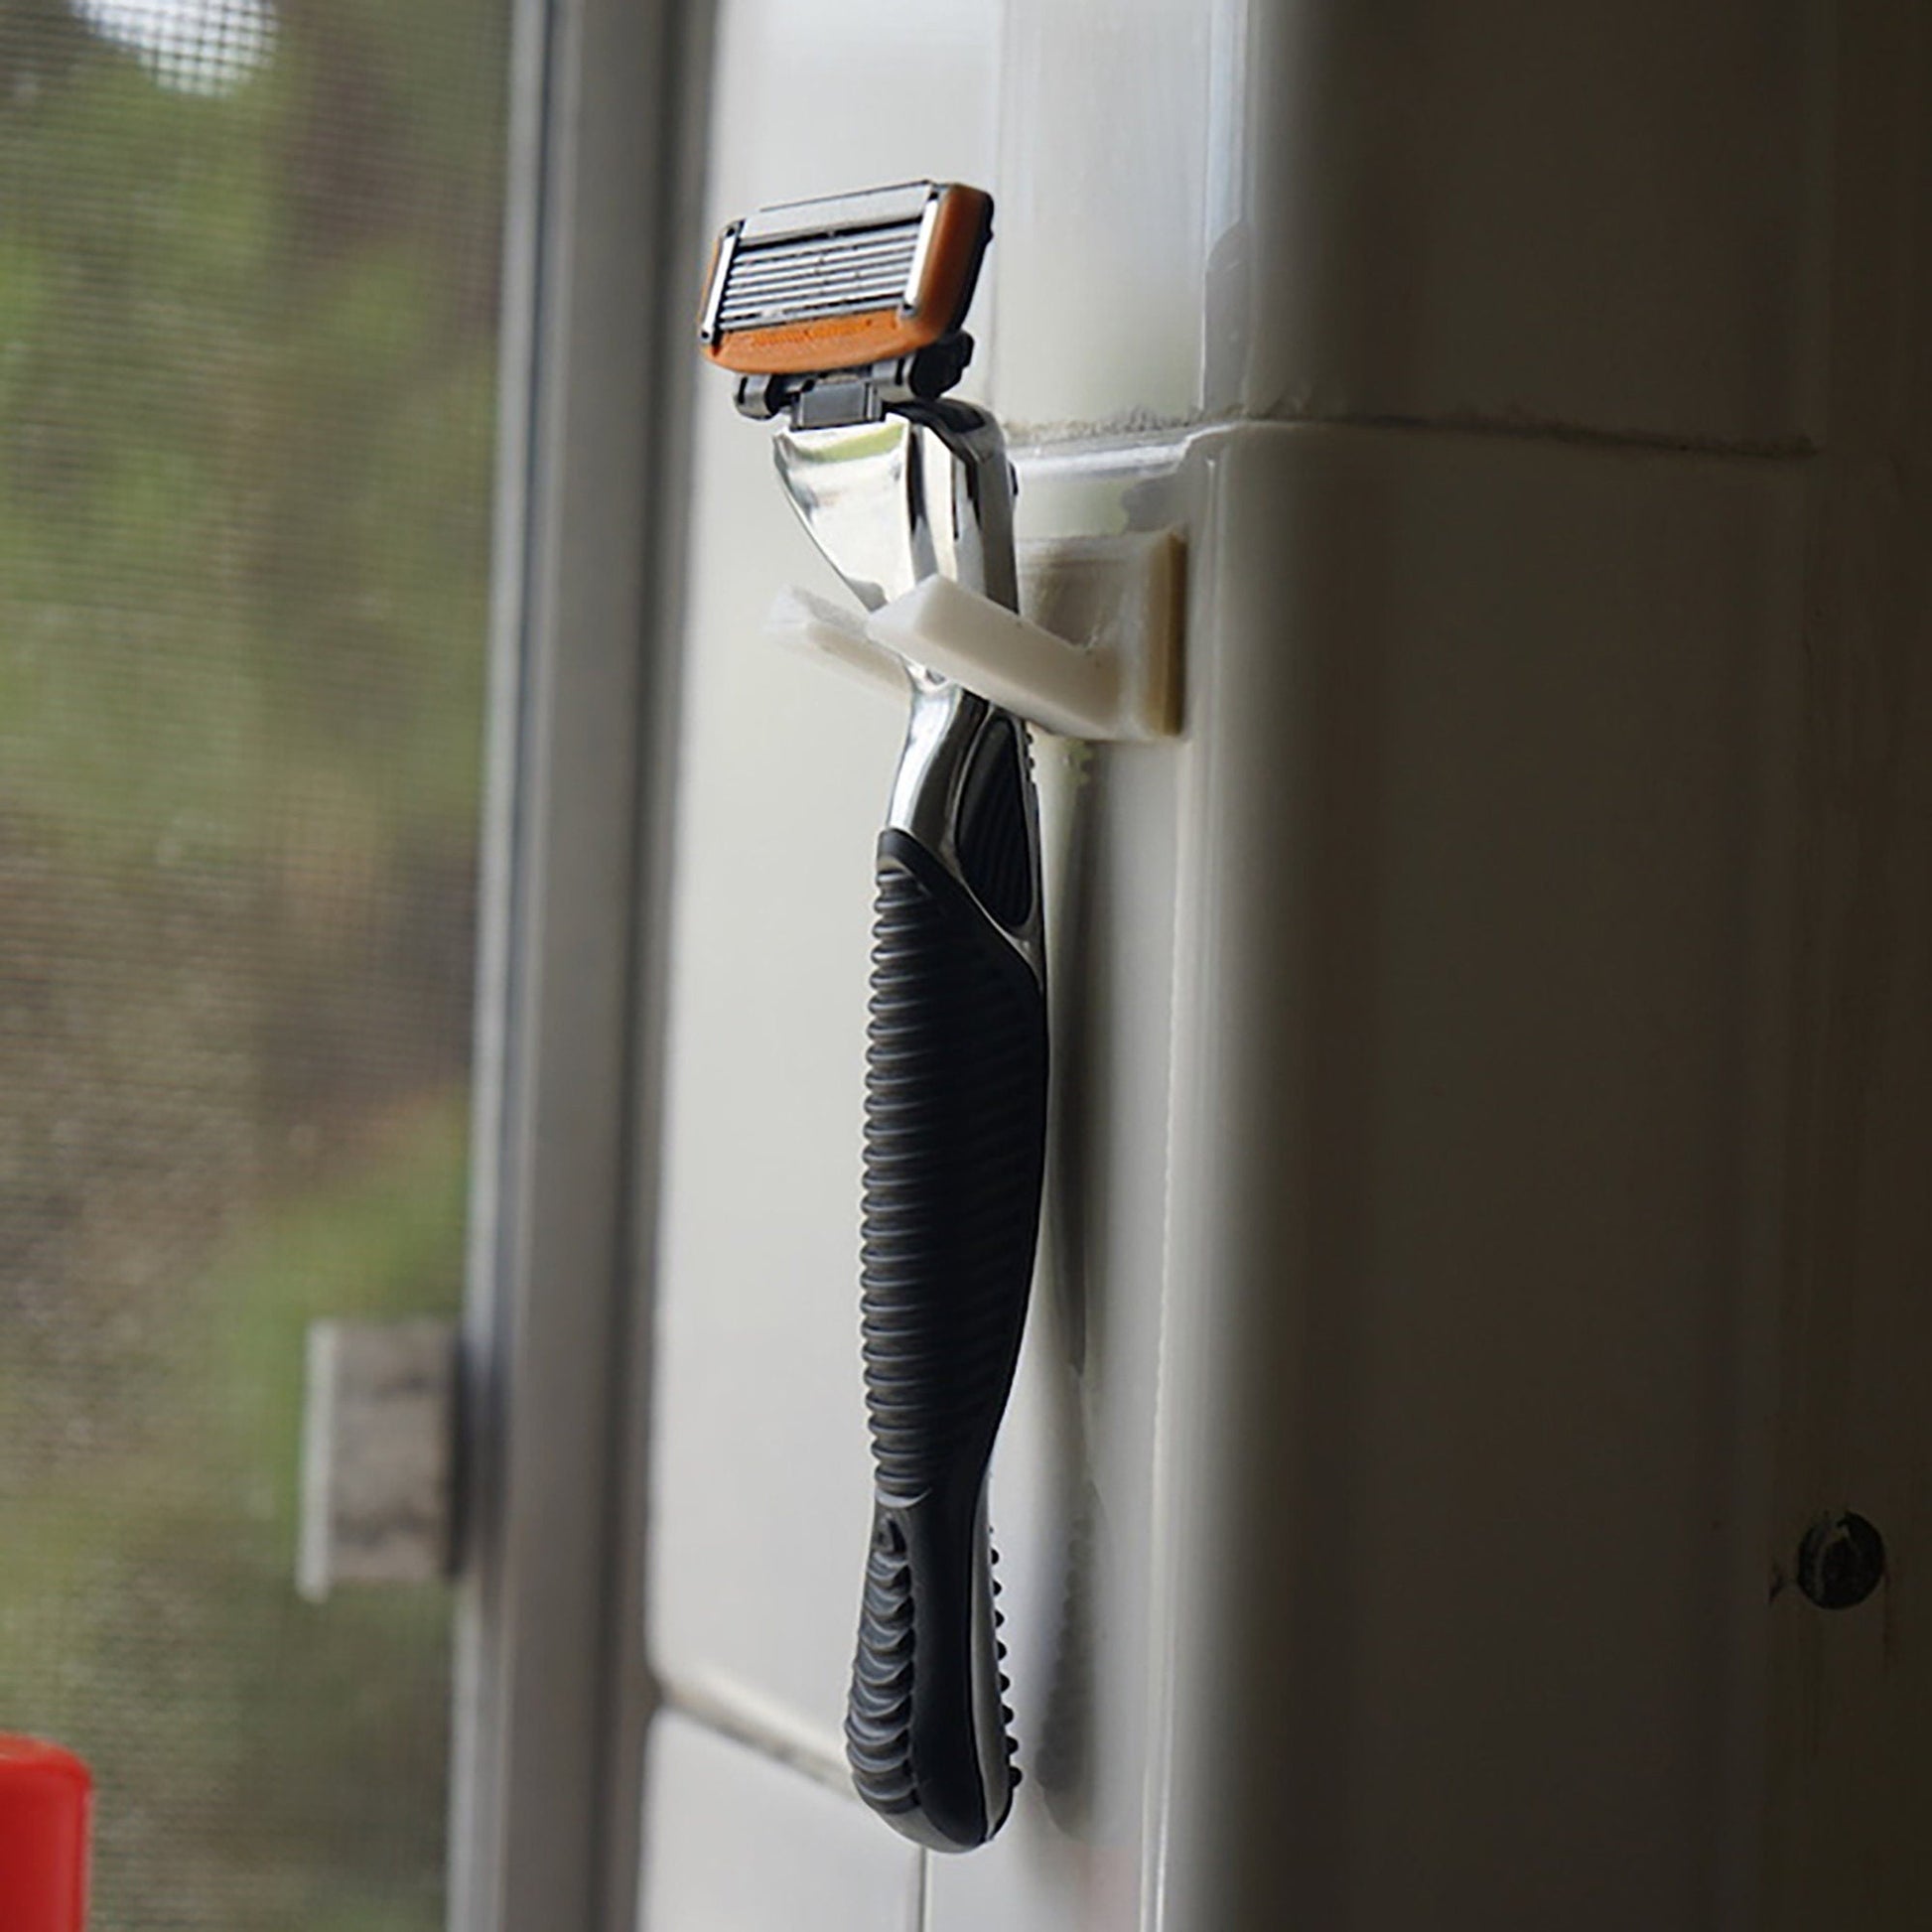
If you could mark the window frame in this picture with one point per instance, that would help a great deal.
(600, 277)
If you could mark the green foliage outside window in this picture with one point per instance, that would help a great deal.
(247, 367)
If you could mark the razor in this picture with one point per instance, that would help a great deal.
(842, 322)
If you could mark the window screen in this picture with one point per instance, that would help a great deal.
(248, 284)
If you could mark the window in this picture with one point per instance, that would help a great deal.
(250, 267)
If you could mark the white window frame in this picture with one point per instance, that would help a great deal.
(602, 262)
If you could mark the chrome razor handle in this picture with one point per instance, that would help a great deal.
(955, 1121)
(954, 1147)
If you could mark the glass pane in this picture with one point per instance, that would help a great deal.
(249, 265)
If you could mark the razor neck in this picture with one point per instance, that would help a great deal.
(923, 489)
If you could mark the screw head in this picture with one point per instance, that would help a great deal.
(1841, 1561)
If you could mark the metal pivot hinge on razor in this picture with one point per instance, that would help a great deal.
(843, 316)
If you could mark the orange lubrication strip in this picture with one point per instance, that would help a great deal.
(875, 334)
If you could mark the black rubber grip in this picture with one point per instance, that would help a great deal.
(955, 1132)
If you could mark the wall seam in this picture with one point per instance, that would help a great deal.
(1048, 438)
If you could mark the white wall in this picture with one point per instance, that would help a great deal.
(1386, 1501)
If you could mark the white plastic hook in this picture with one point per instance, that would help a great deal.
(1096, 656)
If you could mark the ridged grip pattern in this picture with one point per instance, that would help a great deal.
(955, 1128)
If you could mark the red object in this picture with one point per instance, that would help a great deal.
(46, 1797)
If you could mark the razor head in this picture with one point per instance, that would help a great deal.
(848, 283)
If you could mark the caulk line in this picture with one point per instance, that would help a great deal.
(1136, 426)
(723, 1715)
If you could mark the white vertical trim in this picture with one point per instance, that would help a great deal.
(599, 270)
